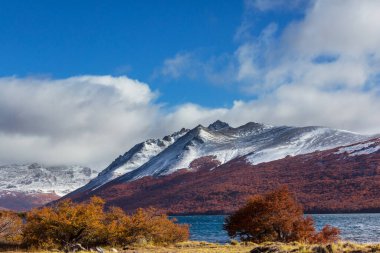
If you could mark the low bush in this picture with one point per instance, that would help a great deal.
(144, 226)
(64, 224)
(67, 223)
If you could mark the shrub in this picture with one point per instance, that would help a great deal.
(276, 216)
(326, 235)
(155, 228)
(10, 228)
(67, 223)
(144, 226)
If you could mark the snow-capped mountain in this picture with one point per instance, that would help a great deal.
(36, 178)
(258, 142)
(342, 179)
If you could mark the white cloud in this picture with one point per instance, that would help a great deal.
(218, 69)
(85, 119)
(348, 27)
(322, 69)
(296, 105)
(342, 92)
(181, 64)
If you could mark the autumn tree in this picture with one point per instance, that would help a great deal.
(276, 216)
(65, 224)
(116, 223)
(68, 223)
(145, 225)
(10, 227)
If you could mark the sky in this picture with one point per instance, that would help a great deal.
(81, 82)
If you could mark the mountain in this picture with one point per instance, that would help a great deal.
(342, 179)
(215, 146)
(25, 186)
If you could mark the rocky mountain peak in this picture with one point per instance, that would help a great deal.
(218, 125)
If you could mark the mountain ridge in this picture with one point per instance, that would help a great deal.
(342, 179)
(263, 143)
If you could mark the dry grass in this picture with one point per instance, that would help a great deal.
(270, 247)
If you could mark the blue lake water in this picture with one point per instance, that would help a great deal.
(354, 227)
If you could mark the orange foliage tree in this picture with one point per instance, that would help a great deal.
(68, 223)
(65, 224)
(276, 216)
(150, 226)
(146, 225)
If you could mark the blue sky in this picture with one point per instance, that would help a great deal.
(68, 38)
(83, 81)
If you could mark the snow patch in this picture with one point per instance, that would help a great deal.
(359, 149)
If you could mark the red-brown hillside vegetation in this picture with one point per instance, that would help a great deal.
(324, 181)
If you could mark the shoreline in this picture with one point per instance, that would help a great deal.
(307, 213)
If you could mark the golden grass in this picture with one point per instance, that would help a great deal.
(269, 247)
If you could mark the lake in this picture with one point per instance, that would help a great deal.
(354, 227)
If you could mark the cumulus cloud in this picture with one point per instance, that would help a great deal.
(322, 69)
(348, 32)
(341, 26)
(85, 119)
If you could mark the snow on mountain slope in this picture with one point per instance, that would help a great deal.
(36, 178)
(295, 141)
(264, 143)
(365, 148)
(134, 158)
(257, 142)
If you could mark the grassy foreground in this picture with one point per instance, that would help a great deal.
(270, 247)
